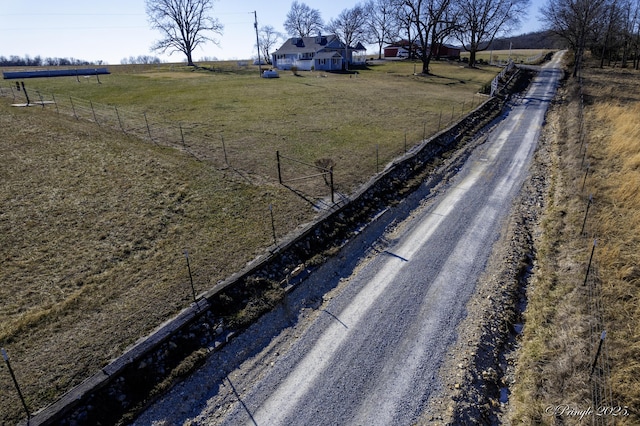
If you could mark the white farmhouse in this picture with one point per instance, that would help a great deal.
(322, 53)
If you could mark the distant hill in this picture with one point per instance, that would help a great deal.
(536, 40)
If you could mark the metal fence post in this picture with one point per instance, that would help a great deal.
(224, 150)
(94, 113)
(331, 180)
(73, 107)
(273, 226)
(15, 382)
(589, 265)
(120, 121)
(595, 361)
(584, 222)
(25, 93)
(279, 172)
(55, 103)
(193, 289)
(148, 128)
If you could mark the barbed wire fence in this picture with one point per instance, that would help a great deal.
(200, 140)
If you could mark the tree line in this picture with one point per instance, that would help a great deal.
(609, 29)
(186, 24)
(37, 61)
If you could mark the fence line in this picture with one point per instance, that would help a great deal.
(534, 59)
(499, 79)
(203, 141)
(600, 369)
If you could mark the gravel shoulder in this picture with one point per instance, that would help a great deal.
(480, 365)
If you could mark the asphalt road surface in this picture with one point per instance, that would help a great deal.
(369, 354)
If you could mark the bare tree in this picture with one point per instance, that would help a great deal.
(480, 21)
(612, 26)
(403, 16)
(350, 26)
(629, 19)
(302, 21)
(632, 35)
(574, 21)
(382, 26)
(183, 24)
(427, 21)
(269, 37)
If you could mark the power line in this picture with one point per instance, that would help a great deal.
(72, 14)
(70, 28)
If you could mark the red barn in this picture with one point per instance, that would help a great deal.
(404, 49)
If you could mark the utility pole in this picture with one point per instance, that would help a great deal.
(255, 24)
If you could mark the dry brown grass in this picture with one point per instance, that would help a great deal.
(92, 231)
(617, 225)
(558, 343)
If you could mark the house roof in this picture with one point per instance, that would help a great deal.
(328, 55)
(314, 44)
(309, 44)
(359, 46)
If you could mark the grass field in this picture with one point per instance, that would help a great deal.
(94, 222)
(565, 316)
(307, 117)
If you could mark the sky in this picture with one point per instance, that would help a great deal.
(111, 30)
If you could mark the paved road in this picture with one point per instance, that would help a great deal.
(372, 352)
